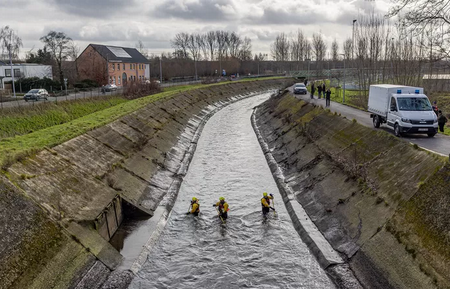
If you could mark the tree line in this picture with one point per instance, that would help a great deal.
(378, 51)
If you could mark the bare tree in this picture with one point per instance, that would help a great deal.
(194, 49)
(334, 49)
(142, 49)
(57, 43)
(319, 47)
(420, 15)
(10, 42)
(280, 49)
(245, 52)
(211, 43)
(202, 42)
(73, 52)
(235, 43)
(180, 43)
(347, 48)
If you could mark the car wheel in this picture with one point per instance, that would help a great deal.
(376, 121)
(432, 134)
(37, 98)
(26, 100)
(397, 131)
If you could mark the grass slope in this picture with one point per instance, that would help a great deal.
(17, 147)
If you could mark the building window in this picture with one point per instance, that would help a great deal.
(131, 66)
(119, 80)
(114, 66)
(8, 72)
(134, 67)
(118, 66)
(123, 66)
(16, 72)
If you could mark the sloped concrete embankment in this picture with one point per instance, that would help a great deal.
(60, 207)
(380, 202)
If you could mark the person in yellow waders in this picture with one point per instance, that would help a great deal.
(223, 208)
(194, 208)
(266, 203)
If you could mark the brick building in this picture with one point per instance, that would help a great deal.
(112, 64)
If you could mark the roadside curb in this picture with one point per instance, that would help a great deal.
(327, 257)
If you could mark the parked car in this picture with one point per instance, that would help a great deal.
(299, 88)
(109, 87)
(36, 94)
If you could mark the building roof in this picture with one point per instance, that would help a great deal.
(119, 54)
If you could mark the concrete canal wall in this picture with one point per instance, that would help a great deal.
(381, 203)
(60, 207)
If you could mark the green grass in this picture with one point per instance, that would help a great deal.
(19, 146)
(24, 120)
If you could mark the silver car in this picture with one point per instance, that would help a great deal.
(36, 94)
(299, 88)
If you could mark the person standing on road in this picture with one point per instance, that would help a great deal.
(194, 208)
(312, 90)
(435, 108)
(328, 97)
(223, 208)
(324, 90)
(319, 91)
(441, 121)
(266, 203)
(305, 82)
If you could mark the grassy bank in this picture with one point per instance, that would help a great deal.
(24, 120)
(19, 146)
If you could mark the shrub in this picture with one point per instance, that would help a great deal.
(134, 89)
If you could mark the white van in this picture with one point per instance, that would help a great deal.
(404, 108)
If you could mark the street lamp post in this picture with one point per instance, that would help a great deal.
(344, 77)
(352, 47)
(308, 69)
(161, 70)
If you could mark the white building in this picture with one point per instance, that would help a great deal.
(23, 70)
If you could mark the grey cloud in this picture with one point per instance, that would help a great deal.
(281, 17)
(102, 9)
(205, 10)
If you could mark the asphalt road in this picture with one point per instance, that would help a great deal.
(84, 94)
(438, 144)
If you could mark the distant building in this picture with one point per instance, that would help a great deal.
(112, 64)
(436, 82)
(23, 70)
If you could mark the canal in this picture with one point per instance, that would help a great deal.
(247, 251)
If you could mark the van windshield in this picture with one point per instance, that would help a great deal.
(414, 104)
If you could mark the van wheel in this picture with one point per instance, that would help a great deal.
(376, 121)
(397, 131)
(431, 134)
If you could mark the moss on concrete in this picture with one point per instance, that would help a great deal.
(76, 180)
(355, 181)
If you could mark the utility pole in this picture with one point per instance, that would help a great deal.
(161, 69)
(344, 77)
(352, 49)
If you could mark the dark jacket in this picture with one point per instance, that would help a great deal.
(442, 119)
(328, 94)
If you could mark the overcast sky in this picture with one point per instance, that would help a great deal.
(124, 22)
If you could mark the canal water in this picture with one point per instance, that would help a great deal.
(245, 252)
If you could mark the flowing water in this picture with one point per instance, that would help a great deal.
(245, 252)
